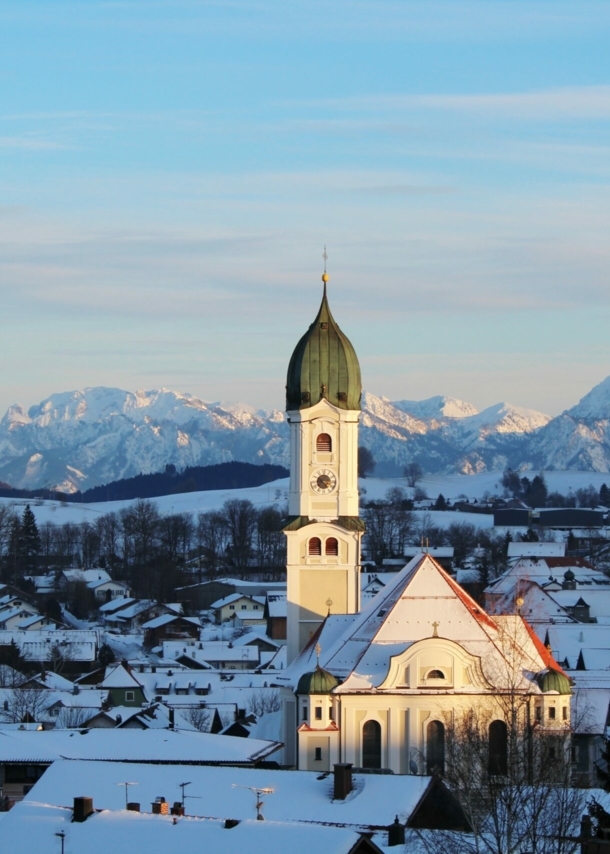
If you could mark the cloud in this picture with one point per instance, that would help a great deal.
(573, 102)
(28, 143)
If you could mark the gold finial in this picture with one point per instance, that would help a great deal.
(325, 276)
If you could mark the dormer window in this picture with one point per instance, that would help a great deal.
(435, 674)
(324, 444)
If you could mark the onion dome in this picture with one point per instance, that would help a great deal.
(553, 680)
(324, 365)
(320, 681)
(569, 575)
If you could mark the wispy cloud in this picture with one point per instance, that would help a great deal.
(540, 105)
(28, 143)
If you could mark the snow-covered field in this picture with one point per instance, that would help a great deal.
(451, 486)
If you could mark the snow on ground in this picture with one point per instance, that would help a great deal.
(373, 488)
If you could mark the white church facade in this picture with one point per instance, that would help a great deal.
(380, 687)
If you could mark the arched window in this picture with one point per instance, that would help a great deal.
(435, 748)
(324, 443)
(498, 748)
(435, 674)
(371, 745)
(315, 546)
(331, 547)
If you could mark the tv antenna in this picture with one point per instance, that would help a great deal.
(127, 785)
(184, 797)
(258, 792)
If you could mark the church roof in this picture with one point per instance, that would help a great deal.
(423, 601)
(324, 365)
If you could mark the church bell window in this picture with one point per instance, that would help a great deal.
(332, 547)
(324, 444)
(315, 546)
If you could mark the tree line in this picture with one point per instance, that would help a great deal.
(153, 553)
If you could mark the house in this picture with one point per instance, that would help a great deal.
(122, 686)
(250, 610)
(98, 581)
(131, 617)
(386, 679)
(170, 627)
(220, 655)
(77, 648)
(201, 596)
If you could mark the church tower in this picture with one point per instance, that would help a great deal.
(324, 530)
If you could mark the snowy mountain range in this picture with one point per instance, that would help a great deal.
(79, 439)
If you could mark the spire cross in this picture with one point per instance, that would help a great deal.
(325, 256)
(435, 626)
(318, 651)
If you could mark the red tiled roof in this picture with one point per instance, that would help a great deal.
(545, 654)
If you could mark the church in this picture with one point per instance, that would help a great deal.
(379, 687)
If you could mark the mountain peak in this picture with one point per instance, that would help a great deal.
(594, 405)
(439, 406)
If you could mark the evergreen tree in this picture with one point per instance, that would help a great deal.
(604, 495)
(440, 504)
(29, 541)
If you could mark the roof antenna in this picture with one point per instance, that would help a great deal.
(325, 276)
(258, 791)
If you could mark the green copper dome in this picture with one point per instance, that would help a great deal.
(553, 680)
(324, 365)
(318, 682)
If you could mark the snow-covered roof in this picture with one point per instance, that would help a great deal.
(117, 676)
(173, 746)
(164, 619)
(536, 549)
(235, 597)
(31, 621)
(212, 651)
(36, 644)
(93, 585)
(422, 599)
(124, 832)
(116, 604)
(135, 608)
(86, 575)
(299, 796)
(277, 604)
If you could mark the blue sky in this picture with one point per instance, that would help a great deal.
(171, 171)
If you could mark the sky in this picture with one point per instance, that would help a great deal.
(170, 173)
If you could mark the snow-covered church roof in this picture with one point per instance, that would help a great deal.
(423, 602)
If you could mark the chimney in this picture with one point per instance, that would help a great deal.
(343, 780)
(83, 807)
(171, 719)
(133, 806)
(160, 806)
(396, 833)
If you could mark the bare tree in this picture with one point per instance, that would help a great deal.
(73, 717)
(413, 473)
(198, 717)
(264, 701)
(24, 705)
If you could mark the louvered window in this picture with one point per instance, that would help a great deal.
(324, 443)
(315, 546)
(332, 547)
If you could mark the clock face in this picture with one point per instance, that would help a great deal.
(323, 481)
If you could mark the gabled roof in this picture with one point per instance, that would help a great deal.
(118, 676)
(422, 602)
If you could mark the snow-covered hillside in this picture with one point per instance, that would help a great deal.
(79, 439)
